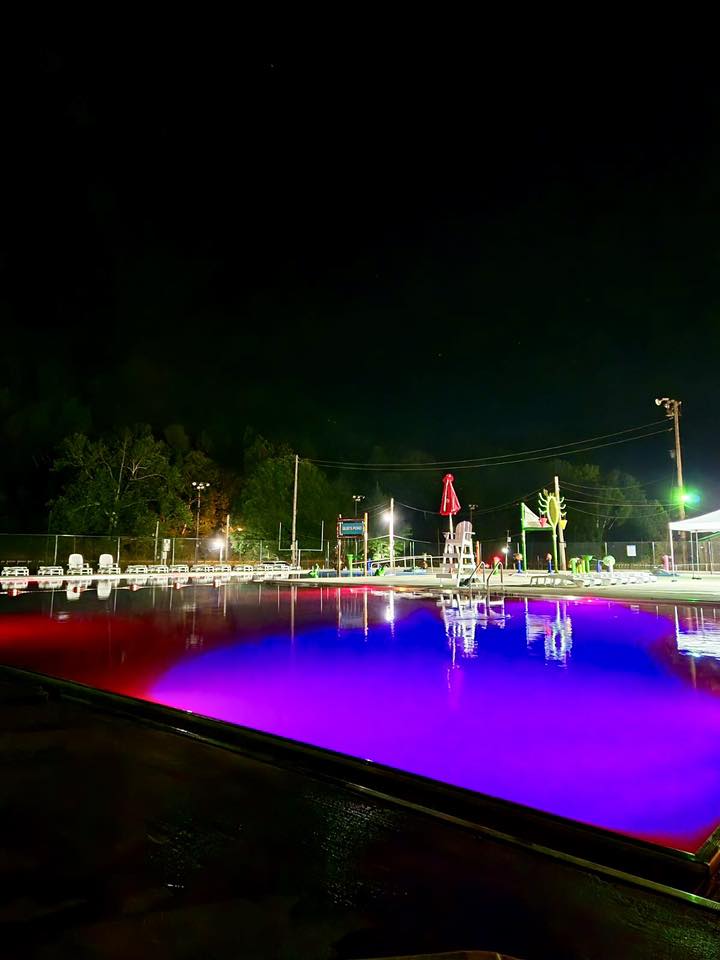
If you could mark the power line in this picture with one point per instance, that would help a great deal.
(620, 503)
(476, 513)
(612, 516)
(488, 459)
(370, 468)
(598, 487)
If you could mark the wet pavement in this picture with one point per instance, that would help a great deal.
(124, 839)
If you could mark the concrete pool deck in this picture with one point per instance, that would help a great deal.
(683, 587)
(133, 838)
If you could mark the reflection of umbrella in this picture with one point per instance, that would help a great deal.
(449, 503)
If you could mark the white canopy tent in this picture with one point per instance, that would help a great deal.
(707, 523)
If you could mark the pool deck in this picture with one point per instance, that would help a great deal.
(683, 587)
(129, 837)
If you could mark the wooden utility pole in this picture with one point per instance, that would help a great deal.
(293, 545)
(365, 543)
(392, 533)
(672, 409)
(561, 532)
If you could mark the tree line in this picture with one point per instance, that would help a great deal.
(133, 480)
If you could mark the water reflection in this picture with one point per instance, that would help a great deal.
(697, 631)
(463, 614)
(551, 632)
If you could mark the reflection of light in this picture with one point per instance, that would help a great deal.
(390, 609)
(556, 634)
(698, 636)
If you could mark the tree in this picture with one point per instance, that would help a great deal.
(602, 506)
(265, 501)
(122, 484)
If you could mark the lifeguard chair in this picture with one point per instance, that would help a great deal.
(458, 553)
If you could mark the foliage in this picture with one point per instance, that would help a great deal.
(265, 502)
(602, 506)
(121, 484)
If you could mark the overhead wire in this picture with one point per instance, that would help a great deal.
(371, 468)
(619, 503)
(607, 516)
(598, 487)
(479, 511)
(488, 459)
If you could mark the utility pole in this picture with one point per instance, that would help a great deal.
(392, 533)
(672, 409)
(561, 532)
(293, 546)
(472, 507)
(199, 487)
(357, 498)
(365, 543)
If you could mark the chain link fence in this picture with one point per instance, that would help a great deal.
(40, 549)
(703, 556)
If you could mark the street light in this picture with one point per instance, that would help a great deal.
(218, 544)
(199, 486)
(390, 517)
(472, 507)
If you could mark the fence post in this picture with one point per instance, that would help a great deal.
(56, 548)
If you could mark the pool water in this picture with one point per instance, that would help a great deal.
(603, 712)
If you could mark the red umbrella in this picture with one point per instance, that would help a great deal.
(449, 503)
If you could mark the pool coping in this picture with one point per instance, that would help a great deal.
(584, 845)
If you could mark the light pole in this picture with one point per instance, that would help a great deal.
(199, 486)
(472, 507)
(390, 517)
(672, 409)
(357, 498)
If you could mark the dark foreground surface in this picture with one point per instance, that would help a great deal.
(125, 840)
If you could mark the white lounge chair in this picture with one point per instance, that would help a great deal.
(76, 566)
(107, 566)
(51, 571)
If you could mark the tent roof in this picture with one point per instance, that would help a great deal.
(707, 523)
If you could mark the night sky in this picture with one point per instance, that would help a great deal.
(361, 252)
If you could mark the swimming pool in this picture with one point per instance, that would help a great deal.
(601, 712)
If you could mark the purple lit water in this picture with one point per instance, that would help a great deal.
(602, 712)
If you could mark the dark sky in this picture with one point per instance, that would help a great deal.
(461, 258)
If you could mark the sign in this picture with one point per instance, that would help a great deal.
(631, 549)
(350, 528)
(530, 520)
(166, 546)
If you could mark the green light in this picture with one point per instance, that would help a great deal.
(687, 497)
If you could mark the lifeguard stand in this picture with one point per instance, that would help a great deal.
(458, 553)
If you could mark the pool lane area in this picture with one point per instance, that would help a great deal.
(600, 712)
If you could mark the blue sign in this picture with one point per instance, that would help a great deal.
(351, 528)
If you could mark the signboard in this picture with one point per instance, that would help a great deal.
(631, 549)
(166, 546)
(530, 520)
(350, 528)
